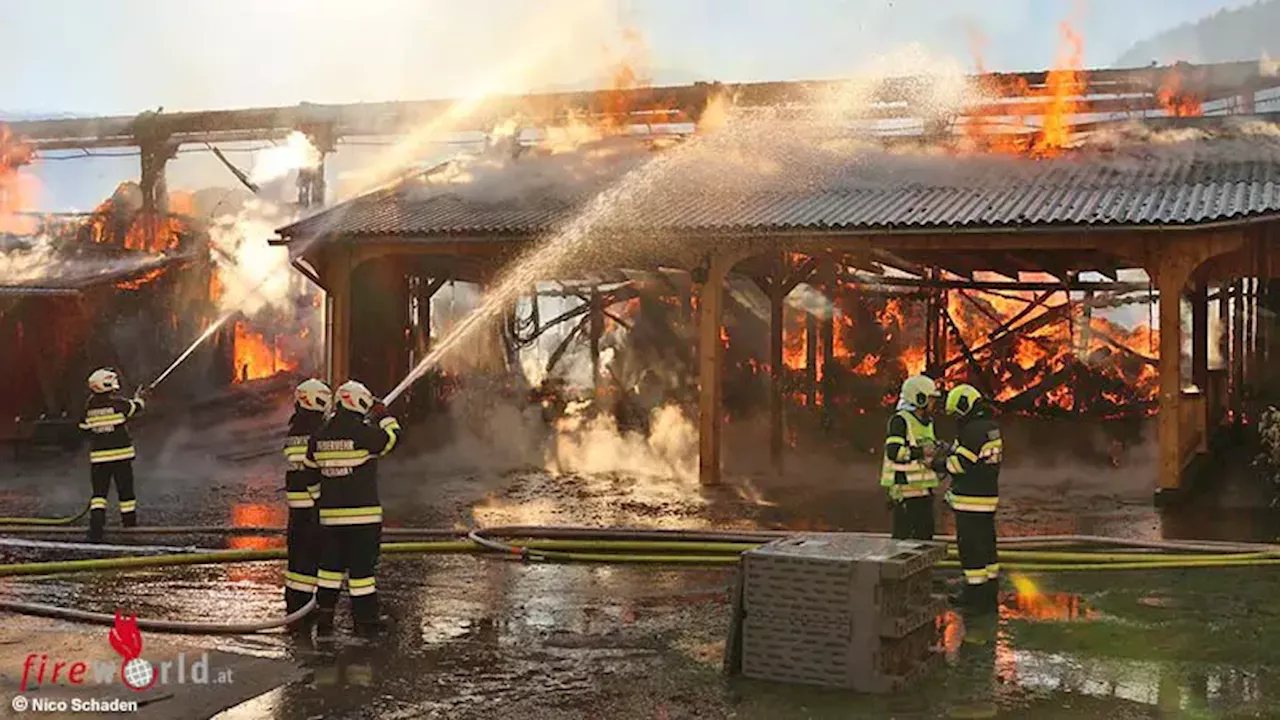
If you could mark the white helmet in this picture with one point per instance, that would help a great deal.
(313, 394)
(355, 397)
(917, 390)
(104, 380)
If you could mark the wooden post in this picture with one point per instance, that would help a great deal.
(776, 369)
(1200, 337)
(1237, 352)
(811, 359)
(710, 370)
(1170, 280)
(1086, 325)
(831, 285)
(1224, 327)
(596, 314)
(941, 348)
(311, 184)
(1247, 356)
(338, 277)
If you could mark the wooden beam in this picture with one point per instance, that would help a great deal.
(1237, 352)
(776, 322)
(710, 369)
(596, 316)
(337, 270)
(983, 383)
(798, 274)
(828, 338)
(810, 359)
(564, 344)
(1105, 90)
(890, 259)
(1078, 285)
(1004, 326)
(1200, 337)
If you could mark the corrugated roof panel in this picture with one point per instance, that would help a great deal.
(1170, 184)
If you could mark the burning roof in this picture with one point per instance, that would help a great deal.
(769, 179)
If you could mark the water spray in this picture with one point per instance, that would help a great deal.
(209, 331)
(190, 349)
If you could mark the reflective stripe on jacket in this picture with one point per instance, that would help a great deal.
(905, 438)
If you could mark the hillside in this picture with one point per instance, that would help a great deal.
(1241, 34)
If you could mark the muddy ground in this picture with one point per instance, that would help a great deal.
(485, 638)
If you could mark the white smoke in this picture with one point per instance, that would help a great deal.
(254, 275)
(584, 444)
(42, 262)
(274, 163)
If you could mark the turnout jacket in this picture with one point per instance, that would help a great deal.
(904, 470)
(302, 482)
(974, 465)
(105, 418)
(345, 452)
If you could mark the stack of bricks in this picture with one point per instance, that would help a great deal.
(838, 610)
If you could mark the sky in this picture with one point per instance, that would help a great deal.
(125, 56)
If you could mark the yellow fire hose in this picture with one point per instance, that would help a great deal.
(648, 552)
(608, 550)
(44, 521)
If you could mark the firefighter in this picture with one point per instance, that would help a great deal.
(974, 465)
(909, 449)
(312, 399)
(346, 451)
(111, 450)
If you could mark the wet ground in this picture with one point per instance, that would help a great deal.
(487, 638)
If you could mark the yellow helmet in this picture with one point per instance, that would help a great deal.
(961, 399)
(917, 390)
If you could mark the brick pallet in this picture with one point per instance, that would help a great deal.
(837, 610)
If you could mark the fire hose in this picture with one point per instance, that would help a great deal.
(44, 521)
(622, 545)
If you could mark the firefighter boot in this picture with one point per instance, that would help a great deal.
(992, 599)
(97, 525)
(323, 622)
(366, 613)
(973, 600)
(295, 600)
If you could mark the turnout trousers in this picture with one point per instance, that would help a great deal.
(350, 552)
(976, 539)
(913, 518)
(304, 557)
(100, 477)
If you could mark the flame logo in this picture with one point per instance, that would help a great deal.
(136, 673)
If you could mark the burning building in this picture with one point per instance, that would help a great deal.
(990, 256)
(117, 287)
(77, 295)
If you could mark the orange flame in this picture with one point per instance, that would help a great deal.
(1058, 103)
(135, 283)
(254, 358)
(1042, 363)
(16, 188)
(1175, 99)
(1063, 84)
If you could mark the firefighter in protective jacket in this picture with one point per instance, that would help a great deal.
(312, 399)
(908, 451)
(346, 451)
(111, 451)
(974, 466)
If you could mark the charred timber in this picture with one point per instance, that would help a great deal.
(686, 102)
(1078, 285)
